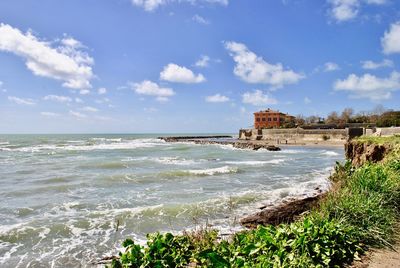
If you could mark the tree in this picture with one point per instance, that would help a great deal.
(333, 118)
(346, 115)
(389, 119)
(313, 119)
(300, 121)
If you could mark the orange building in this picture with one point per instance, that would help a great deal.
(271, 119)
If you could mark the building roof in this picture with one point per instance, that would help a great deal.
(268, 111)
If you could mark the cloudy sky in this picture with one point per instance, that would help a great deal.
(141, 66)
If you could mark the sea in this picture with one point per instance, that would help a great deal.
(70, 200)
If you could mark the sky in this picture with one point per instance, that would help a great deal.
(194, 66)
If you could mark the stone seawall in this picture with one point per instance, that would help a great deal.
(294, 135)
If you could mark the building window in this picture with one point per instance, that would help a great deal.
(257, 119)
(275, 119)
(269, 119)
(263, 119)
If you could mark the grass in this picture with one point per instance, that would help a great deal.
(360, 212)
(379, 140)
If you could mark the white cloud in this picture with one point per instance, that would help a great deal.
(203, 61)
(376, 2)
(78, 100)
(217, 98)
(102, 91)
(370, 65)
(257, 98)
(221, 2)
(180, 74)
(199, 19)
(77, 114)
(149, 88)
(64, 62)
(101, 101)
(391, 39)
(1, 87)
(254, 69)
(307, 100)
(369, 86)
(84, 91)
(21, 101)
(49, 114)
(57, 98)
(151, 5)
(90, 109)
(345, 10)
(331, 66)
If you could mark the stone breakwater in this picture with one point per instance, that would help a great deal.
(222, 140)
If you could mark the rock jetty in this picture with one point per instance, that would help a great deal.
(223, 140)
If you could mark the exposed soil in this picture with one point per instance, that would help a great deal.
(380, 258)
(360, 153)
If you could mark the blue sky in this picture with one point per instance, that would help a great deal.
(134, 66)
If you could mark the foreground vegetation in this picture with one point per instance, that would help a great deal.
(360, 212)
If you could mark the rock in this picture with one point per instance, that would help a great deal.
(286, 211)
(213, 140)
(273, 148)
(257, 147)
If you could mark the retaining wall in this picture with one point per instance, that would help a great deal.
(293, 134)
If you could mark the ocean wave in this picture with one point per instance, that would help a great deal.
(116, 144)
(199, 172)
(213, 171)
(107, 139)
(257, 163)
(167, 160)
(105, 165)
(330, 153)
(292, 151)
(174, 161)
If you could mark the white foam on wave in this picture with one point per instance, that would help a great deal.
(256, 163)
(174, 161)
(107, 139)
(213, 171)
(291, 151)
(330, 153)
(115, 145)
(167, 160)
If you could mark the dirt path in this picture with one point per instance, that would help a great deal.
(380, 258)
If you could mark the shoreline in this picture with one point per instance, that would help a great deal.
(272, 145)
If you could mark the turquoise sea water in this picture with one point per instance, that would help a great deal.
(68, 200)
